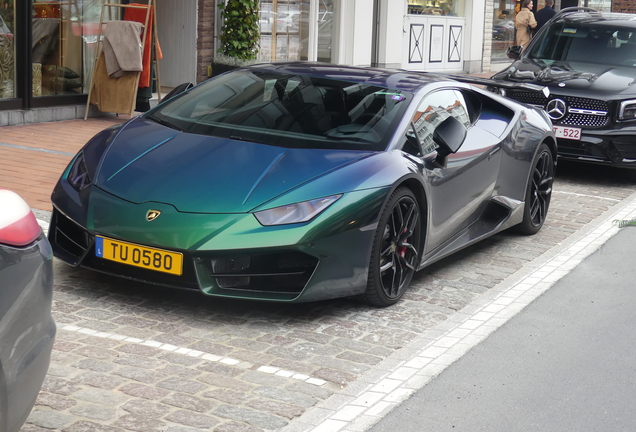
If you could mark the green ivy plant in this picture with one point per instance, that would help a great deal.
(240, 33)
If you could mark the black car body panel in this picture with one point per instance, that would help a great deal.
(587, 59)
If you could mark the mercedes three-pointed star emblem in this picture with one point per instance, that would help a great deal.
(556, 109)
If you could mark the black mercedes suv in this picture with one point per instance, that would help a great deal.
(587, 59)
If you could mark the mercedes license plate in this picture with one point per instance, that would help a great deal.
(567, 132)
(139, 256)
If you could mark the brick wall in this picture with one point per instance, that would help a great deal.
(624, 6)
(205, 37)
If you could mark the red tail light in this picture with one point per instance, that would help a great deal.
(18, 226)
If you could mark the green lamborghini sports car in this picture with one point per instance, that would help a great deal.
(302, 182)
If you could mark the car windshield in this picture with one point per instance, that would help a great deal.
(586, 42)
(287, 110)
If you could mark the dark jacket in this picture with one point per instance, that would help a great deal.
(543, 16)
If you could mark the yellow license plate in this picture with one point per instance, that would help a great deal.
(139, 256)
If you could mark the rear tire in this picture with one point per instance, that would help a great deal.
(538, 192)
(396, 249)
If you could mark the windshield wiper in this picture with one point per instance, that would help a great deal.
(165, 123)
(252, 140)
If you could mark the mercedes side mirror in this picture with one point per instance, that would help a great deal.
(514, 52)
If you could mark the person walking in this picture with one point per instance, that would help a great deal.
(544, 15)
(524, 22)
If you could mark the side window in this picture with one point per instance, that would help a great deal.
(434, 109)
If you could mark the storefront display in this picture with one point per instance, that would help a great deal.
(7, 49)
(284, 30)
(436, 7)
(503, 29)
(59, 61)
(63, 36)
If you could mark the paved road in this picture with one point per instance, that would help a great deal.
(135, 357)
(565, 363)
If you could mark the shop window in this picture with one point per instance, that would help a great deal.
(7, 49)
(64, 36)
(284, 28)
(503, 29)
(436, 7)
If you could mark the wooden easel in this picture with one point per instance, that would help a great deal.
(154, 54)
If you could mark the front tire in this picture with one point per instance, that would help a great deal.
(538, 192)
(396, 249)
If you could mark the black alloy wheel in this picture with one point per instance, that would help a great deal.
(395, 253)
(538, 193)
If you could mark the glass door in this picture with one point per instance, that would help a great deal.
(8, 84)
(284, 27)
(64, 35)
(503, 29)
(325, 31)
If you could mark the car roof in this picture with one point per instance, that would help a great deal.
(581, 14)
(389, 78)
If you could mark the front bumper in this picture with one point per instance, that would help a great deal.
(603, 140)
(27, 330)
(613, 147)
(230, 255)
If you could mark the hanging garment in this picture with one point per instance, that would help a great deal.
(45, 40)
(122, 47)
(114, 95)
(139, 15)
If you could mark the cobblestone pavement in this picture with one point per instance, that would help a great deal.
(136, 357)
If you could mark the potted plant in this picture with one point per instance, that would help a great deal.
(240, 35)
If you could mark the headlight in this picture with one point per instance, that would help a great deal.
(78, 175)
(627, 110)
(295, 213)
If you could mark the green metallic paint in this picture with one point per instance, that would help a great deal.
(120, 219)
(203, 174)
(340, 238)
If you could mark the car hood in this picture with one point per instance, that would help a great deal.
(604, 79)
(148, 162)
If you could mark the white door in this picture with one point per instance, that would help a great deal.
(433, 44)
(177, 32)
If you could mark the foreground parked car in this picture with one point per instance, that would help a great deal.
(27, 329)
(303, 182)
(587, 59)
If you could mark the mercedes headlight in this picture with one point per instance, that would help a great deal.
(627, 110)
(78, 174)
(295, 213)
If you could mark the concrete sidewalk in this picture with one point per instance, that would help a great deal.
(458, 379)
(565, 363)
(33, 156)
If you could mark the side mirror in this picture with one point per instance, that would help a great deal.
(449, 135)
(514, 52)
(177, 90)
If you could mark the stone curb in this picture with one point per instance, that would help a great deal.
(365, 401)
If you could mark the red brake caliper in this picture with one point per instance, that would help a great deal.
(402, 249)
